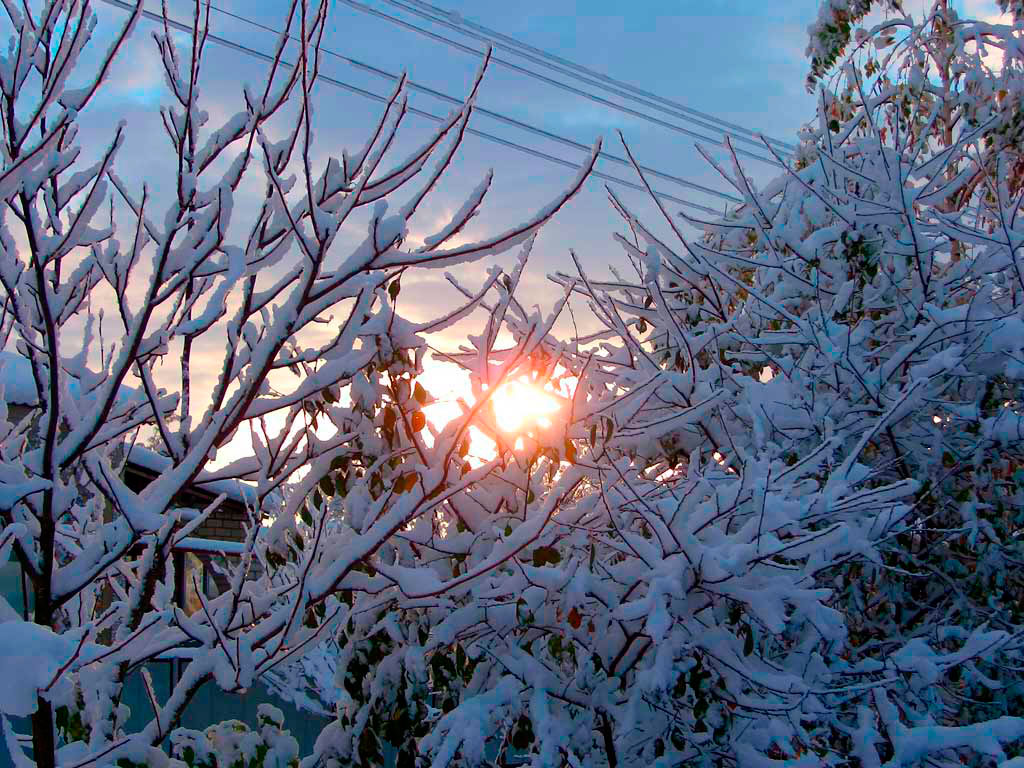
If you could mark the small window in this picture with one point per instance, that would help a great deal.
(208, 572)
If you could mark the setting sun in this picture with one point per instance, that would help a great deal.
(519, 405)
(516, 407)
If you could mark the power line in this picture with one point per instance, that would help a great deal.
(557, 63)
(354, 89)
(572, 89)
(543, 133)
(457, 21)
(631, 89)
(504, 118)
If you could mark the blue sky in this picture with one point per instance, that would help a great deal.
(741, 60)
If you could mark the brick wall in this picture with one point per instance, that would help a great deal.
(226, 524)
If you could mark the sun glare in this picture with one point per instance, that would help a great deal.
(519, 405)
(516, 408)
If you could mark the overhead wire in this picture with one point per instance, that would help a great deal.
(370, 95)
(497, 116)
(570, 88)
(632, 91)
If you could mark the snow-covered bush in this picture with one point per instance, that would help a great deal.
(117, 324)
(233, 744)
(800, 436)
(776, 522)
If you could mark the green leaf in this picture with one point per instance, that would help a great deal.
(545, 555)
(701, 707)
(326, 486)
(394, 288)
(522, 734)
(748, 641)
(307, 518)
(680, 687)
(555, 646)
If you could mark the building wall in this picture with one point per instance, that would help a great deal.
(210, 705)
(227, 524)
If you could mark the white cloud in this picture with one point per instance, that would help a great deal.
(986, 10)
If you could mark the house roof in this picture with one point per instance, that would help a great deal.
(155, 463)
(19, 388)
(16, 377)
